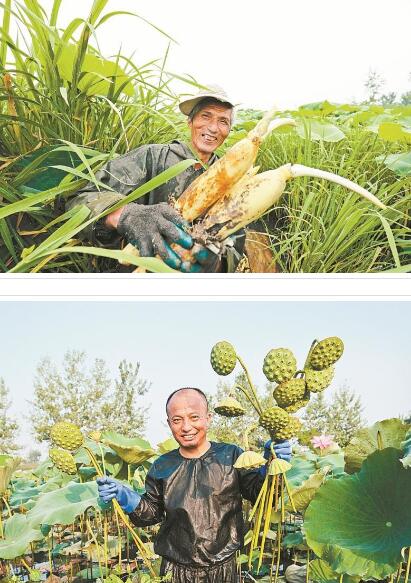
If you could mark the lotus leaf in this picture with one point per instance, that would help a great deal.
(360, 523)
(406, 447)
(301, 469)
(22, 496)
(63, 505)
(302, 495)
(167, 445)
(132, 450)
(294, 540)
(7, 466)
(321, 572)
(323, 131)
(93, 552)
(398, 163)
(18, 534)
(335, 461)
(387, 433)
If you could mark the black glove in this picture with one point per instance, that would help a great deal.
(148, 227)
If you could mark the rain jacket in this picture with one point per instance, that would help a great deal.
(199, 504)
(126, 173)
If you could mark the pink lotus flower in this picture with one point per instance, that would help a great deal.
(322, 441)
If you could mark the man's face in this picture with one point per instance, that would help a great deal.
(209, 128)
(188, 419)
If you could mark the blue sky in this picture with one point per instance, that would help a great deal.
(172, 341)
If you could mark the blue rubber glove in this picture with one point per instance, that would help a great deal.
(205, 261)
(109, 489)
(282, 451)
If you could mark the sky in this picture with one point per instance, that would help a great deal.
(265, 53)
(172, 342)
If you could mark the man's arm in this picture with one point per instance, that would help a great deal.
(143, 510)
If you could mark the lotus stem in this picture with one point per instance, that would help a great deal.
(254, 392)
(117, 508)
(289, 493)
(297, 170)
(119, 537)
(6, 504)
(267, 521)
(307, 360)
(277, 567)
(308, 567)
(249, 397)
(380, 444)
(246, 434)
(341, 578)
(407, 572)
(100, 566)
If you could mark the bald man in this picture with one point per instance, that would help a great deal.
(196, 494)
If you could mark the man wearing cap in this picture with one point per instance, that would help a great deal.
(150, 221)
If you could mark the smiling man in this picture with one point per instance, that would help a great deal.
(150, 222)
(196, 494)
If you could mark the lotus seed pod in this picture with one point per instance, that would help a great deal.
(229, 407)
(279, 365)
(63, 460)
(318, 380)
(66, 435)
(250, 459)
(223, 358)
(274, 419)
(326, 352)
(289, 392)
(291, 430)
(299, 404)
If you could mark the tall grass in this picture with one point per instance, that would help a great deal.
(321, 227)
(56, 87)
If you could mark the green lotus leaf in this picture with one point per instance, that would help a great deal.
(360, 523)
(323, 131)
(321, 572)
(301, 469)
(21, 497)
(294, 540)
(99, 450)
(7, 466)
(63, 505)
(18, 534)
(387, 433)
(398, 163)
(303, 494)
(406, 447)
(132, 450)
(335, 462)
(167, 445)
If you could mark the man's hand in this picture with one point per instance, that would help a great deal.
(282, 450)
(203, 261)
(151, 228)
(109, 489)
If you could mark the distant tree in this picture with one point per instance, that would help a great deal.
(83, 394)
(373, 85)
(344, 416)
(405, 98)
(315, 416)
(388, 98)
(231, 429)
(8, 424)
(33, 456)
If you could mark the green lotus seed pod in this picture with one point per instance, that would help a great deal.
(66, 435)
(229, 407)
(326, 352)
(63, 460)
(279, 365)
(289, 392)
(318, 380)
(223, 358)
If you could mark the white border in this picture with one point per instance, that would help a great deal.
(233, 287)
